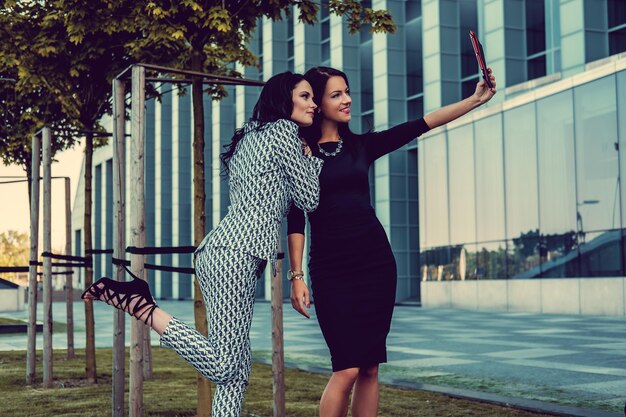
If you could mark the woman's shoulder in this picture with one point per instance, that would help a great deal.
(284, 124)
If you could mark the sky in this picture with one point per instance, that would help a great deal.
(14, 207)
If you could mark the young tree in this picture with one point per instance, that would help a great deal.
(25, 107)
(75, 68)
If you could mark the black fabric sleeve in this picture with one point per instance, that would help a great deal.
(295, 220)
(378, 144)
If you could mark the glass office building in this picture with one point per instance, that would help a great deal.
(518, 205)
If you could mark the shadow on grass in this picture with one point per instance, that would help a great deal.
(172, 391)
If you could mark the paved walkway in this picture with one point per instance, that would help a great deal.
(573, 360)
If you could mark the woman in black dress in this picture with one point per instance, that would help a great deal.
(352, 267)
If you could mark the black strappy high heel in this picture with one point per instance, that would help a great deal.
(121, 294)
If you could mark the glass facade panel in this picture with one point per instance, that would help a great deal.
(617, 12)
(414, 69)
(598, 205)
(421, 190)
(535, 26)
(462, 200)
(367, 77)
(617, 41)
(447, 263)
(415, 108)
(489, 179)
(469, 86)
(490, 261)
(412, 9)
(436, 191)
(600, 254)
(536, 67)
(468, 17)
(366, 35)
(621, 129)
(557, 195)
(522, 206)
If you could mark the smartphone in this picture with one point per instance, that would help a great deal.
(480, 57)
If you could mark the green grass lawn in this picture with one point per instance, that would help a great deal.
(172, 391)
(4, 320)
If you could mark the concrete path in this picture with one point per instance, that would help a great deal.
(570, 360)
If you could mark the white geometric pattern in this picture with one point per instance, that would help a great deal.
(266, 174)
(228, 281)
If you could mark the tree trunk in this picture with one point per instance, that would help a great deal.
(119, 245)
(90, 342)
(137, 236)
(204, 399)
(69, 285)
(33, 173)
(47, 261)
(278, 356)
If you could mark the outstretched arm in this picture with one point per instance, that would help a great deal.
(446, 114)
(382, 143)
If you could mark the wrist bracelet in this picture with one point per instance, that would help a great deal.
(296, 275)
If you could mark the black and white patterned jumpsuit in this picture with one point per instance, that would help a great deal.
(267, 172)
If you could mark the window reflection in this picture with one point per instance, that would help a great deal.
(561, 184)
(557, 197)
(596, 156)
(522, 215)
(435, 192)
(462, 201)
(600, 254)
(489, 179)
(490, 261)
(446, 263)
(523, 255)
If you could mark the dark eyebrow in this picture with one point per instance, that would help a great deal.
(336, 91)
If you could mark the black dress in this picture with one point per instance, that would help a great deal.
(351, 265)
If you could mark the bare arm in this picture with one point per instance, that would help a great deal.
(453, 111)
(299, 289)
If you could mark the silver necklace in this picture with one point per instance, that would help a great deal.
(335, 152)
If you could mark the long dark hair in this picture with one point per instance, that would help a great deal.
(274, 103)
(318, 77)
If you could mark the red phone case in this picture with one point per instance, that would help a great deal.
(480, 57)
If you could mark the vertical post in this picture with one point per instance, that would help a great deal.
(47, 261)
(69, 287)
(278, 357)
(119, 244)
(147, 354)
(34, 255)
(137, 232)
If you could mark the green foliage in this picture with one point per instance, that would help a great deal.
(26, 104)
(14, 248)
(65, 53)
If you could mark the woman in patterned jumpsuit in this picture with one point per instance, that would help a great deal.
(267, 172)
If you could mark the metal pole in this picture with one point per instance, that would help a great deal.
(278, 357)
(119, 243)
(138, 233)
(31, 354)
(69, 287)
(47, 261)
